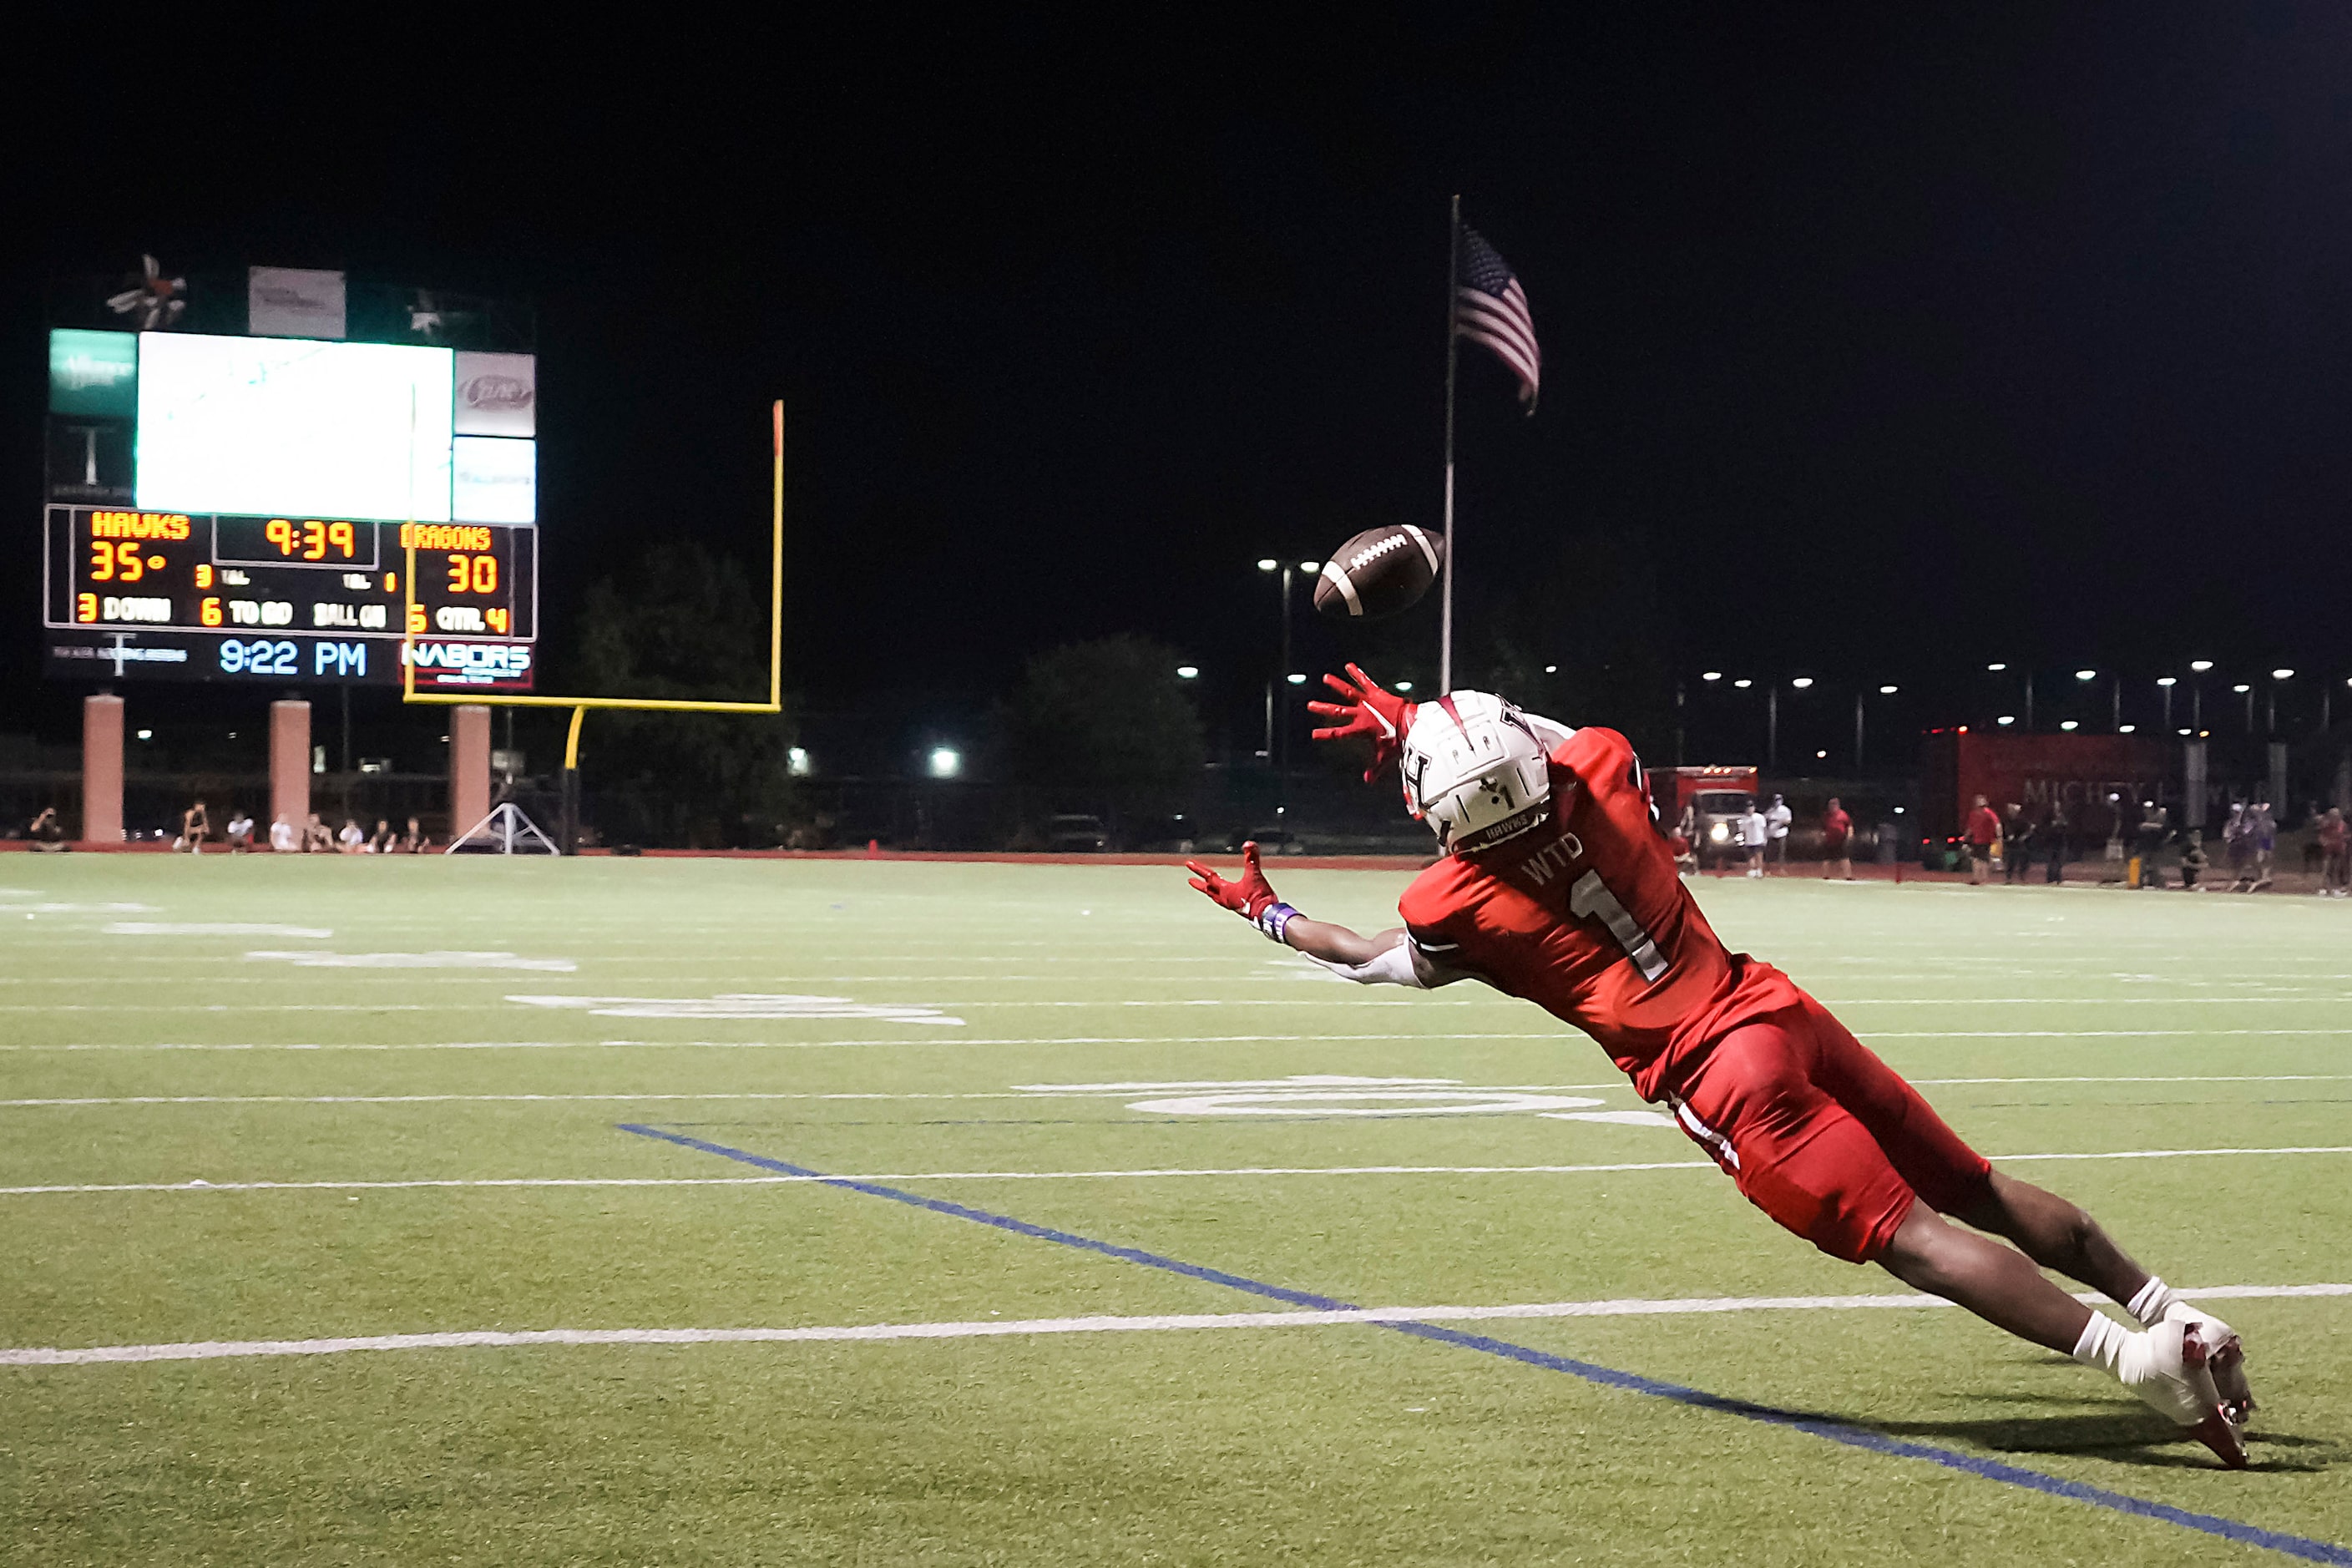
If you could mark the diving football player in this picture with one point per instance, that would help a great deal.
(1555, 885)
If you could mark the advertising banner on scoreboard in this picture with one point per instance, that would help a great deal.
(293, 302)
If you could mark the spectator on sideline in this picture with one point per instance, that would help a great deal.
(2263, 830)
(2059, 831)
(240, 831)
(1685, 842)
(283, 839)
(1983, 832)
(351, 840)
(193, 825)
(1755, 832)
(382, 839)
(413, 841)
(47, 834)
(2154, 830)
(318, 838)
(1837, 842)
(2193, 860)
(2237, 847)
(1777, 823)
(2016, 845)
(2333, 836)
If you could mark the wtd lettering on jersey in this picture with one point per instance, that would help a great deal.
(1552, 859)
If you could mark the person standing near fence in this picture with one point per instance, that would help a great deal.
(1982, 833)
(1837, 842)
(2335, 835)
(2057, 831)
(1777, 823)
(2016, 845)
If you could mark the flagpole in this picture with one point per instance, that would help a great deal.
(1446, 610)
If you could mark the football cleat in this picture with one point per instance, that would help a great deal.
(2215, 1428)
(2225, 1359)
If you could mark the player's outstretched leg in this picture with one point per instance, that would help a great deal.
(2059, 1236)
(2166, 1365)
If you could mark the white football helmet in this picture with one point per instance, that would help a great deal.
(1475, 770)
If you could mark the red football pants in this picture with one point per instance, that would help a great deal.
(1821, 1135)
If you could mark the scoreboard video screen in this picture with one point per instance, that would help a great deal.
(248, 509)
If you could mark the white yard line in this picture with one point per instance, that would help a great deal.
(1148, 1174)
(226, 1350)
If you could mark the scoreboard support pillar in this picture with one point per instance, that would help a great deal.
(469, 767)
(290, 763)
(101, 769)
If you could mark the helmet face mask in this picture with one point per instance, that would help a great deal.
(1474, 772)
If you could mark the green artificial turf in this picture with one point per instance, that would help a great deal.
(2042, 1022)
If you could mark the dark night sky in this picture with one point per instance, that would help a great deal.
(1908, 339)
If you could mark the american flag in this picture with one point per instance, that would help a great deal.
(1490, 308)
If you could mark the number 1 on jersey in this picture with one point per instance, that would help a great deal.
(1590, 896)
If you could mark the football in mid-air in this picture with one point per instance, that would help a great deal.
(1378, 573)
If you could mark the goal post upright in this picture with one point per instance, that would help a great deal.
(580, 705)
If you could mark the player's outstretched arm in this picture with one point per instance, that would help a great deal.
(1389, 958)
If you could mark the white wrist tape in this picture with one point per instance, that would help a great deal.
(1393, 967)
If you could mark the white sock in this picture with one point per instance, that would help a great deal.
(2148, 1368)
(2150, 1304)
(2101, 1345)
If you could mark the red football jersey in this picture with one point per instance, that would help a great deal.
(1585, 917)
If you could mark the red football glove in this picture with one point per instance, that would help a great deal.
(1249, 897)
(1367, 710)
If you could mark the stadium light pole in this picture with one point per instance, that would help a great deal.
(1272, 566)
(2165, 683)
(2270, 712)
(2247, 691)
(2197, 693)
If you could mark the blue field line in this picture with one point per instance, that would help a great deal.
(1608, 1377)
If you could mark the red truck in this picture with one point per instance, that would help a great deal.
(1716, 799)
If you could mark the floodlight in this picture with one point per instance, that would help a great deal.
(1996, 669)
(1187, 671)
(2086, 674)
(1551, 669)
(2242, 688)
(797, 763)
(1268, 565)
(1802, 683)
(1712, 674)
(1404, 686)
(2126, 728)
(2070, 724)
(1310, 567)
(2168, 680)
(1888, 690)
(1819, 755)
(146, 734)
(2282, 675)
(946, 762)
(1296, 680)
(1743, 684)
(2200, 665)
(2006, 719)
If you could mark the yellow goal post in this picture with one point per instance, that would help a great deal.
(580, 705)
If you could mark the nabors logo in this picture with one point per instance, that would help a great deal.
(472, 663)
(498, 393)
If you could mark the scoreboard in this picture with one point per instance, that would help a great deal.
(219, 597)
(274, 510)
